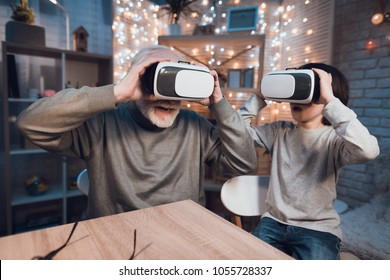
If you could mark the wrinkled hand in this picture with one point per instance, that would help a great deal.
(326, 90)
(216, 96)
(129, 88)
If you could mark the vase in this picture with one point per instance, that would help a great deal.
(23, 33)
(174, 29)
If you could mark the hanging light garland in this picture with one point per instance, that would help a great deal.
(136, 25)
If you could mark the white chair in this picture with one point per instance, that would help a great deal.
(245, 196)
(83, 182)
(340, 206)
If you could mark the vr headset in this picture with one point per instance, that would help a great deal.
(293, 85)
(178, 81)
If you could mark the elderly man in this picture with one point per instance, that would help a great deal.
(140, 151)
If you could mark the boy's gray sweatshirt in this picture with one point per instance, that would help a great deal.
(306, 163)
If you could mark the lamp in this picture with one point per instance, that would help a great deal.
(55, 2)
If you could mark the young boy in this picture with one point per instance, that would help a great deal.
(306, 160)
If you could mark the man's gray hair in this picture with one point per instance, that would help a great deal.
(153, 49)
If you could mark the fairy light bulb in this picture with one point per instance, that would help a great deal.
(370, 45)
(377, 18)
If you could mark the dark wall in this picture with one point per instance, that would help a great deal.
(369, 74)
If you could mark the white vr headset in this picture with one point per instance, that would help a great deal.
(294, 86)
(178, 81)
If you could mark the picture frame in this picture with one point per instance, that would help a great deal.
(241, 78)
(234, 78)
(242, 18)
(248, 76)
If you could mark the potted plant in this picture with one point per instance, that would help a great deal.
(21, 28)
(23, 12)
(175, 9)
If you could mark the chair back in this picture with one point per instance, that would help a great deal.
(83, 182)
(245, 195)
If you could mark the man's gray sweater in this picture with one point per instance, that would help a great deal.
(131, 163)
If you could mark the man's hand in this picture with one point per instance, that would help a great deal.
(216, 96)
(129, 88)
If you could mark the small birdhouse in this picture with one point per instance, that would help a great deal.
(80, 39)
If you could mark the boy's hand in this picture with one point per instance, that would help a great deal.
(259, 94)
(326, 90)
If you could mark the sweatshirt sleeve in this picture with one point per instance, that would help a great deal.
(251, 108)
(235, 152)
(51, 122)
(355, 143)
(264, 136)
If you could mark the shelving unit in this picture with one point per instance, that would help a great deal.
(222, 53)
(22, 159)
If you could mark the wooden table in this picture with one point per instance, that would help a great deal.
(178, 231)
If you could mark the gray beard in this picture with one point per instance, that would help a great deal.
(148, 111)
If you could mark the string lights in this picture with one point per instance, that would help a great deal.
(136, 25)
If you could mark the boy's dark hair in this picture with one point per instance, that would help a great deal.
(340, 84)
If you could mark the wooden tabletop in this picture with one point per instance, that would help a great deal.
(178, 231)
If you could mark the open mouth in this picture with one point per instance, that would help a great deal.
(296, 108)
(167, 109)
